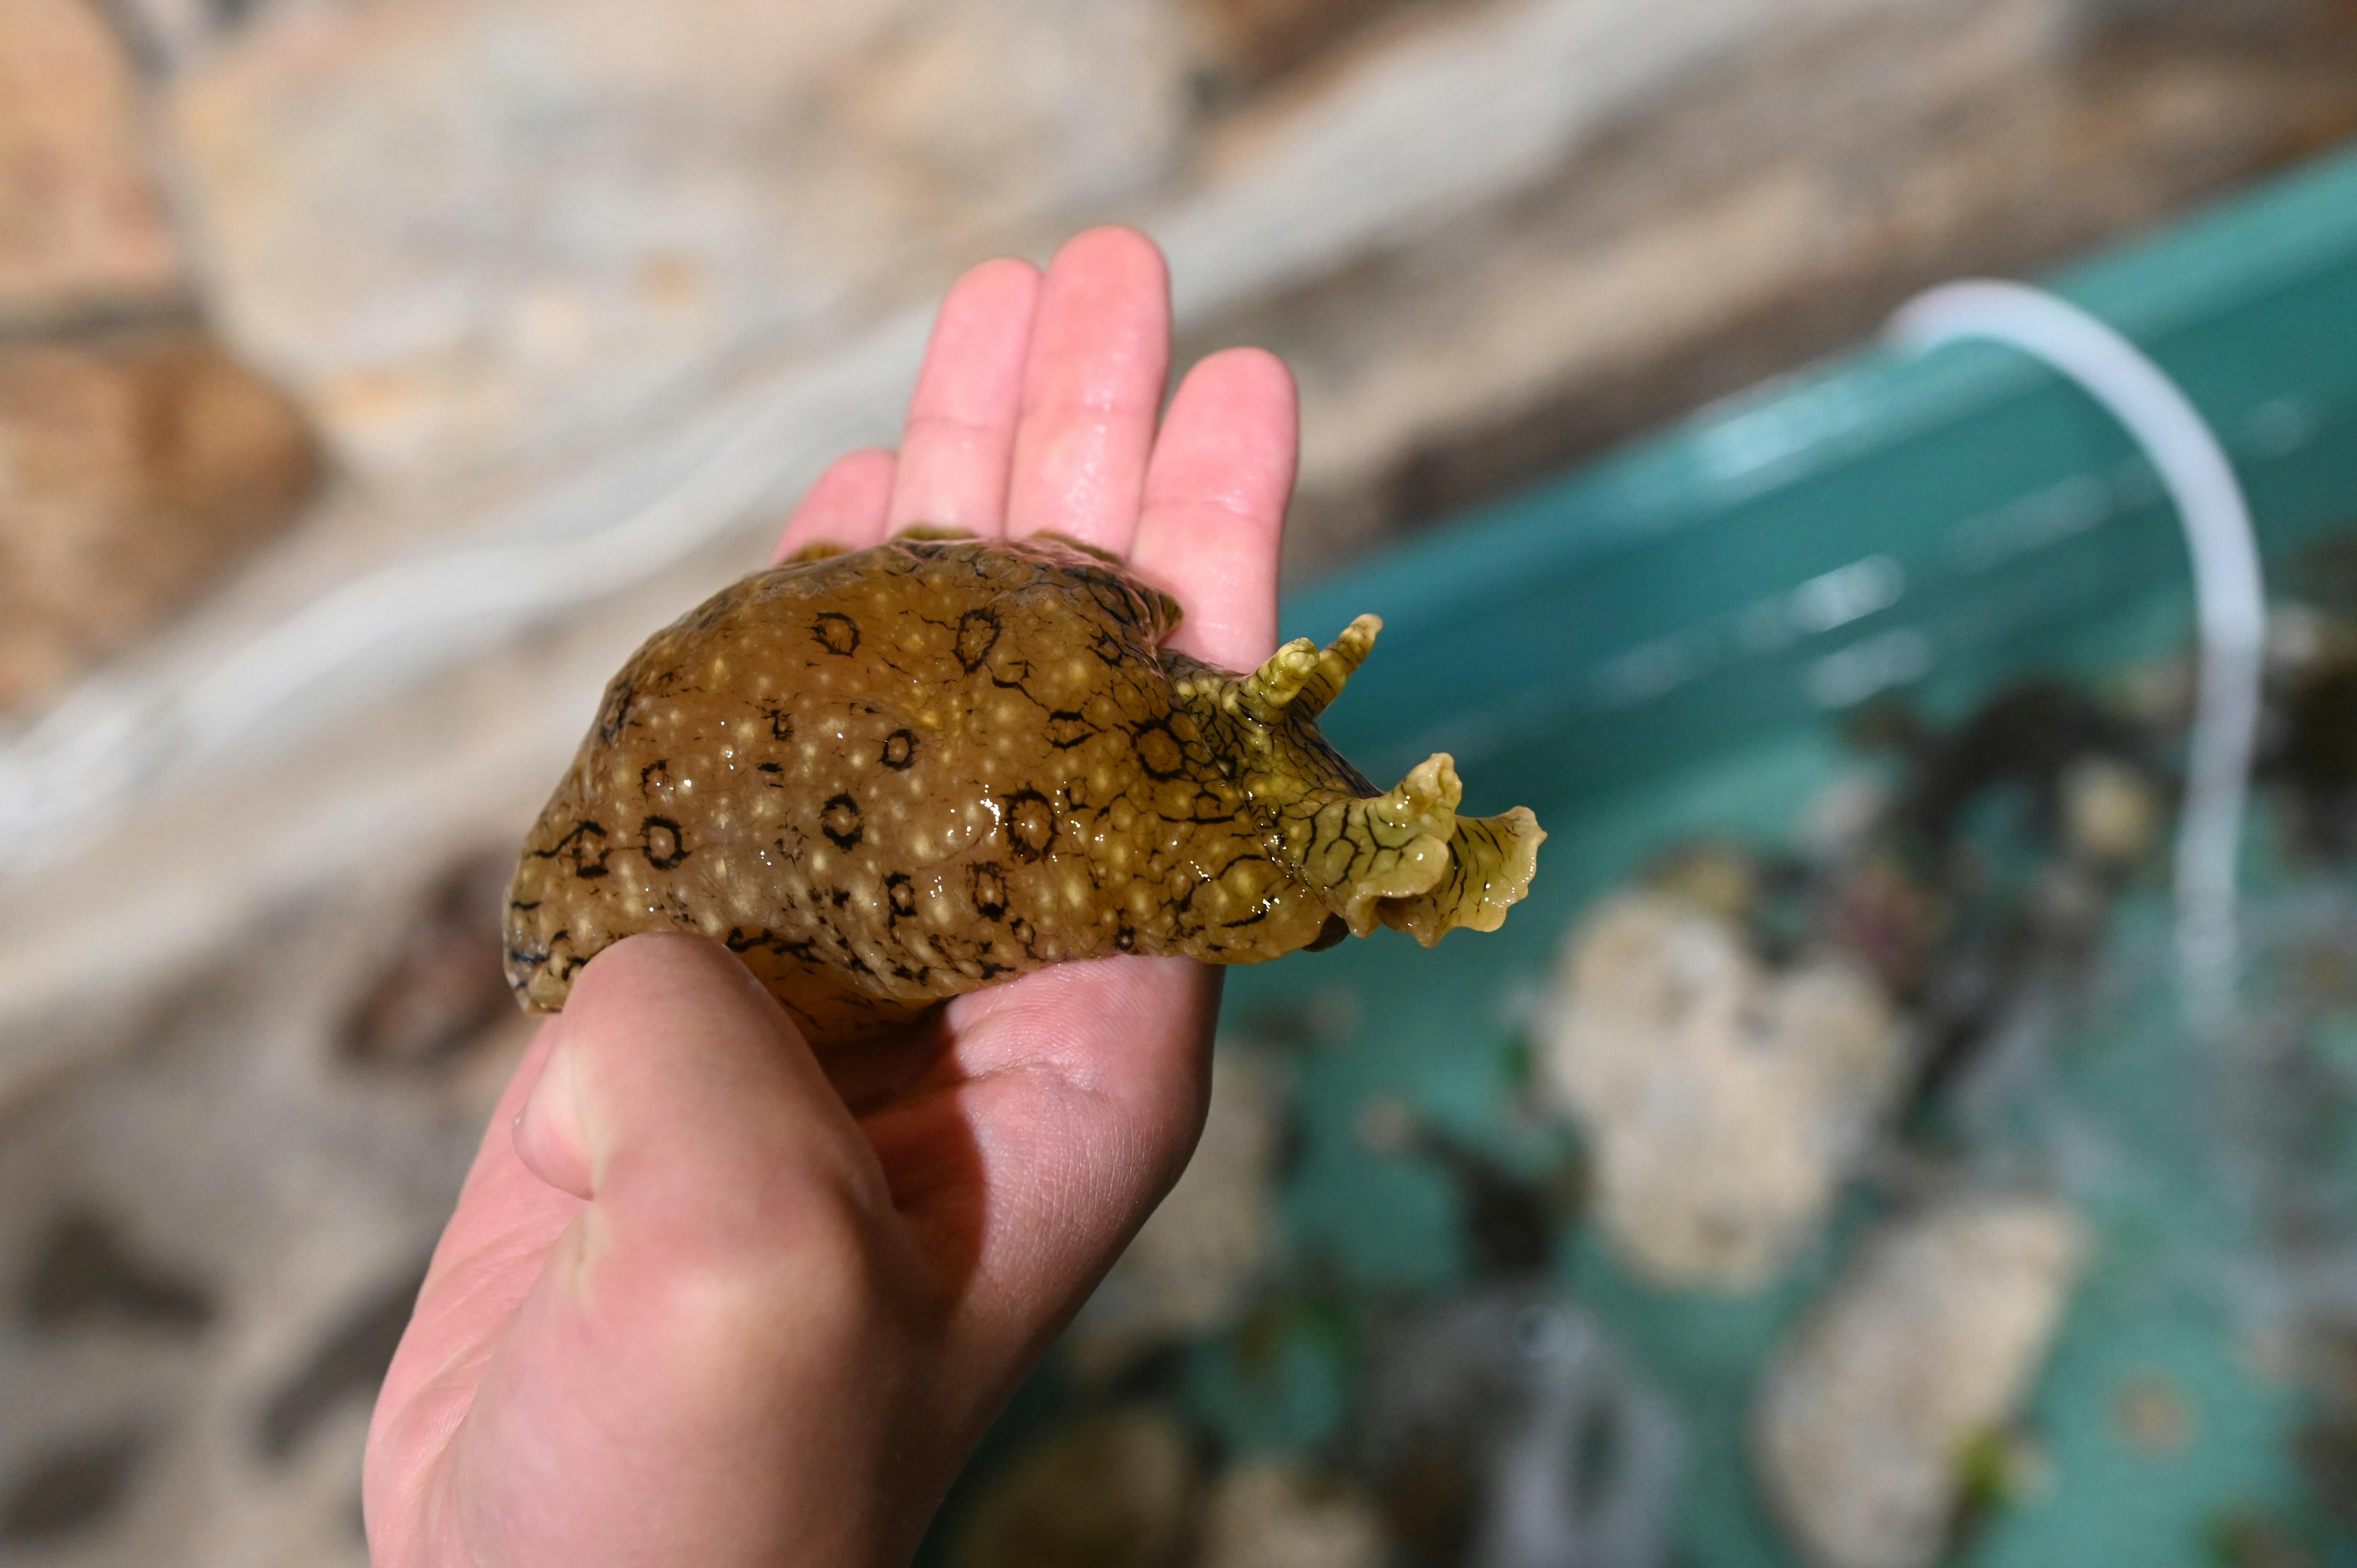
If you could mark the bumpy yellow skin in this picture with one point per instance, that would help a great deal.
(887, 777)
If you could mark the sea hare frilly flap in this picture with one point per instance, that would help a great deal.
(889, 776)
(1406, 859)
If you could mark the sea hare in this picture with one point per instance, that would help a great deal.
(888, 775)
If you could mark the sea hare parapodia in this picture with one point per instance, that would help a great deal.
(888, 775)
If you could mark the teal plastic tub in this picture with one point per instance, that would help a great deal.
(1660, 647)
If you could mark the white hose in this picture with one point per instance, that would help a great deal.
(2228, 591)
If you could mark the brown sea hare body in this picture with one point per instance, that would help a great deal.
(887, 777)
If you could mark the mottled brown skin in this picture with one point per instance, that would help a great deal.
(887, 777)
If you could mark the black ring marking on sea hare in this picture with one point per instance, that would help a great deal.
(901, 895)
(1031, 824)
(1160, 751)
(977, 634)
(666, 846)
(646, 774)
(573, 849)
(987, 884)
(835, 632)
(1211, 808)
(900, 750)
(840, 822)
(782, 723)
(1067, 729)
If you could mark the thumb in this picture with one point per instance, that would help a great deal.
(726, 1266)
(671, 1068)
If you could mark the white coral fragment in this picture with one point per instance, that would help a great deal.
(1723, 1103)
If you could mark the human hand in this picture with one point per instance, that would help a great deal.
(710, 1298)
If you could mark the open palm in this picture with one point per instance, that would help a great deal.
(716, 1299)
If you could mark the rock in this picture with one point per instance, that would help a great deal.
(1194, 1266)
(1275, 1514)
(209, 1236)
(1113, 1491)
(83, 225)
(131, 473)
(441, 990)
(167, 35)
(1917, 1358)
(1726, 227)
(458, 227)
(1247, 40)
(1723, 1103)
(76, 1486)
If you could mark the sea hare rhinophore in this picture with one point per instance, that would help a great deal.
(889, 776)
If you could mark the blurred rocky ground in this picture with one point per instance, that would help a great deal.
(291, 290)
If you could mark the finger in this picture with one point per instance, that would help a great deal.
(846, 506)
(1213, 514)
(960, 439)
(1100, 349)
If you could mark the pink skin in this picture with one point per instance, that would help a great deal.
(710, 1298)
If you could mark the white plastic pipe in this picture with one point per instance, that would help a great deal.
(2228, 591)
